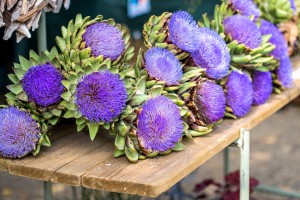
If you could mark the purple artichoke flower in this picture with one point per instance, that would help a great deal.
(163, 65)
(293, 5)
(182, 28)
(101, 96)
(212, 54)
(239, 93)
(42, 84)
(284, 72)
(246, 8)
(243, 30)
(210, 102)
(19, 133)
(277, 39)
(159, 125)
(104, 39)
(262, 87)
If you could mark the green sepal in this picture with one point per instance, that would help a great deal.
(130, 152)
(178, 147)
(93, 129)
(120, 142)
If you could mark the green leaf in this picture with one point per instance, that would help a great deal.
(13, 78)
(19, 73)
(24, 63)
(56, 112)
(53, 121)
(178, 147)
(141, 85)
(118, 153)
(66, 84)
(138, 99)
(33, 55)
(69, 114)
(93, 130)
(120, 142)
(61, 43)
(130, 152)
(22, 96)
(66, 96)
(155, 91)
(53, 53)
(16, 89)
(46, 141)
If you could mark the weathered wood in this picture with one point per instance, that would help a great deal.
(74, 160)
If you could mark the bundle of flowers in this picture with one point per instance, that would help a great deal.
(191, 76)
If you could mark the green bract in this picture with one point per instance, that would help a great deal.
(275, 11)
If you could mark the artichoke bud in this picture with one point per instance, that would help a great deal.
(24, 92)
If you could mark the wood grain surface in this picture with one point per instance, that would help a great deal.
(74, 160)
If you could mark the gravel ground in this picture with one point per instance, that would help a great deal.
(275, 160)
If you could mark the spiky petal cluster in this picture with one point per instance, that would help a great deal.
(293, 5)
(246, 8)
(210, 102)
(19, 133)
(277, 39)
(243, 30)
(163, 65)
(159, 125)
(182, 29)
(104, 39)
(42, 84)
(262, 87)
(284, 72)
(239, 93)
(212, 53)
(101, 96)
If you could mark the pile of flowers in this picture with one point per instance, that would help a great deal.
(192, 75)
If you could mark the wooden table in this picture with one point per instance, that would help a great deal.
(74, 160)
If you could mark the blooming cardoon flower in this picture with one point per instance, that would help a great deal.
(101, 96)
(277, 39)
(163, 65)
(284, 72)
(212, 53)
(246, 8)
(239, 93)
(104, 39)
(182, 28)
(262, 87)
(210, 102)
(243, 30)
(293, 5)
(42, 84)
(159, 125)
(19, 133)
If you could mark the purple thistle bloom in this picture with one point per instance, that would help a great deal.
(243, 30)
(19, 133)
(104, 39)
(246, 8)
(277, 39)
(210, 102)
(159, 125)
(212, 53)
(163, 65)
(42, 84)
(239, 93)
(182, 28)
(284, 72)
(293, 6)
(262, 87)
(101, 96)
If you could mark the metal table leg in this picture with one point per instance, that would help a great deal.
(47, 190)
(244, 144)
